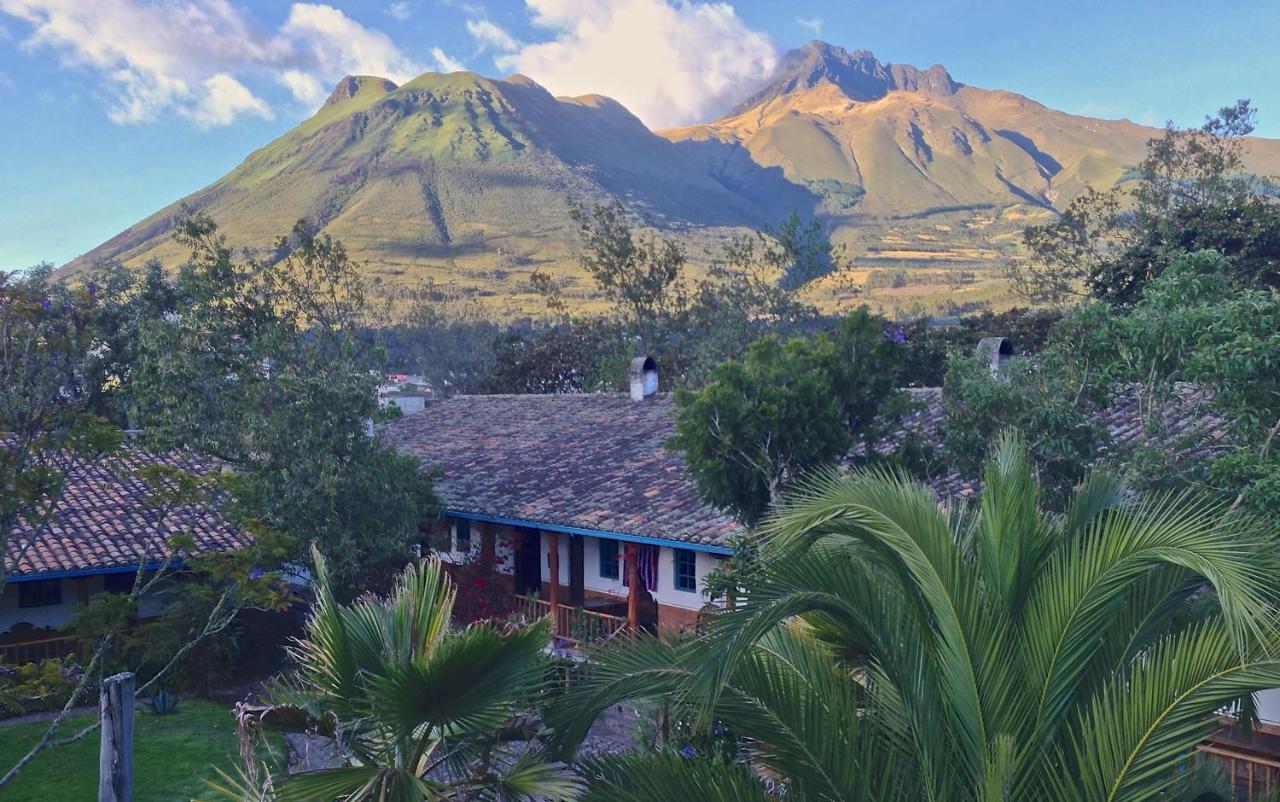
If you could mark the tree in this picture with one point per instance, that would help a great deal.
(417, 710)
(1194, 327)
(640, 274)
(784, 409)
(262, 366)
(892, 649)
(1054, 397)
(46, 420)
(1191, 192)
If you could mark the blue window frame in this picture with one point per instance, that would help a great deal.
(609, 559)
(463, 534)
(686, 569)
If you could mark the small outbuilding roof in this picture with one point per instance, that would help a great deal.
(104, 522)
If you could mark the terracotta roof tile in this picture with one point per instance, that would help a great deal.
(599, 461)
(104, 520)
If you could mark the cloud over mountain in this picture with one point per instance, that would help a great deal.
(669, 62)
(199, 58)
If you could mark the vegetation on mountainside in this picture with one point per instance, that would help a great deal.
(1192, 192)
(886, 648)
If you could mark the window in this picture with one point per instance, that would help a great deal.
(686, 569)
(40, 594)
(609, 559)
(463, 529)
(119, 583)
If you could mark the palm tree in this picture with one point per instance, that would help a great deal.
(889, 648)
(416, 710)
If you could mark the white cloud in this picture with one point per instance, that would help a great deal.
(400, 11)
(445, 63)
(670, 62)
(339, 44)
(199, 58)
(303, 85)
(153, 57)
(5, 81)
(491, 37)
(812, 24)
(223, 100)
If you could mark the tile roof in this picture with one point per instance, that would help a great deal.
(598, 461)
(593, 462)
(104, 520)
(1183, 424)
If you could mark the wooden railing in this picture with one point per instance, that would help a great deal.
(35, 650)
(572, 623)
(1252, 776)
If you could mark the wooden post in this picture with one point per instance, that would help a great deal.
(115, 755)
(553, 544)
(633, 587)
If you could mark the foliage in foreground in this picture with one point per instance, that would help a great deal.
(417, 710)
(891, 650)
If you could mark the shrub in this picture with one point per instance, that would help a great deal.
(32, 687)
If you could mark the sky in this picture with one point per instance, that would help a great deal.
(111, 109)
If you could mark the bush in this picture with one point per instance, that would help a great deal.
(32, 687)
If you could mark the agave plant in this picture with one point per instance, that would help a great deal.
(416, 709)
(893, 649)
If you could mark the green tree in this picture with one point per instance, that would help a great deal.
(1054, 397)
(892, 649)
(785, 409)
(262, 365)
(1194, 327)
(1190, 193)
(641, 274)
(417, 709)
(47, 423)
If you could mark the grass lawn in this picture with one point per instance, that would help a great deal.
(171, 756)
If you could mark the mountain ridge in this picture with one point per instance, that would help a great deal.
(464, 180)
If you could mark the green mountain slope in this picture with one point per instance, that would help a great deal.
(456, 177)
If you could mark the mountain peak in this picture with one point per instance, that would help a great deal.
(352, 85)
(858, 74)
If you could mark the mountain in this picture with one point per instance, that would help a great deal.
(464, 180)
(455, 177)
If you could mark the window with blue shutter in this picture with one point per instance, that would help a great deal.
(686, 569)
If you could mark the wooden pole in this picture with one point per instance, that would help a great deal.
(115, 755)
(553, 543)
(633, 587)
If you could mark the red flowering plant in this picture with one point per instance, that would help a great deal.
(483, 595)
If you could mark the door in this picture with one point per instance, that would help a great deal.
(528, 562)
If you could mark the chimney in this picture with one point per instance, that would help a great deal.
(996, 353)
(643, 376)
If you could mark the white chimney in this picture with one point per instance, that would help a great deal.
(644, 377)
(996, 352)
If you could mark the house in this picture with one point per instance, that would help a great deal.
(102, 530)
(577, 487)
(407, 392)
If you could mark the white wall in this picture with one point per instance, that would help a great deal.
(51, 616)
(665, 593)
(1269, 706)
(502, 552)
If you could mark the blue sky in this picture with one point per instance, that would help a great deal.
(114, 108)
